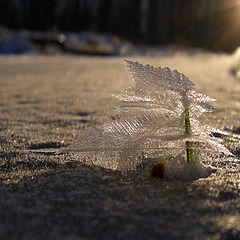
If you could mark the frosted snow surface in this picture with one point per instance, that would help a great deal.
(150, 126)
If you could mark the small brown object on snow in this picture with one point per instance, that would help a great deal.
(158, 169)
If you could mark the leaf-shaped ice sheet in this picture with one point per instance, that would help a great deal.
(159, 78)
(151, 123)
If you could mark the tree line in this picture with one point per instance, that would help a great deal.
(212, 24)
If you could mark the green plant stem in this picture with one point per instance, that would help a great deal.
(189, 149)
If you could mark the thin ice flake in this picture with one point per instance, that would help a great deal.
(150, 124)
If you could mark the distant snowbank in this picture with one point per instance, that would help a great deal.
(82, 43)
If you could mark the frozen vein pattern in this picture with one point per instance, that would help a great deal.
(157, 120)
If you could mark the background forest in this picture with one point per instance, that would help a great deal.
(213, 24)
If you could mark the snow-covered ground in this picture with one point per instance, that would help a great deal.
(47, 102)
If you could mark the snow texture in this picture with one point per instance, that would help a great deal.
(150, 126)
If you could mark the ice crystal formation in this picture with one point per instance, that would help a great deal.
(158, 119)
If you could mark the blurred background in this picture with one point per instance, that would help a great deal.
(118, 27)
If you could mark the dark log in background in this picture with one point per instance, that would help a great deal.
(207, 24)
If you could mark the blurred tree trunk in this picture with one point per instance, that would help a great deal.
(103, 15)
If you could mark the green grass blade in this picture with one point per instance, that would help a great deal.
(189, 149)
